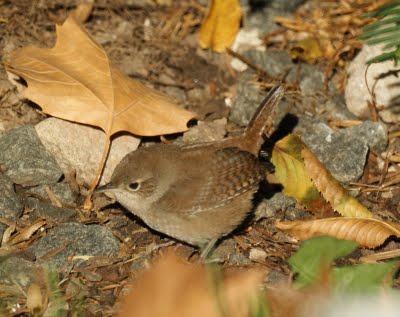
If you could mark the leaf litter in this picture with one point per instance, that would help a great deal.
(110, 277)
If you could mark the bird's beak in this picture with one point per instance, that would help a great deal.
(110, 187)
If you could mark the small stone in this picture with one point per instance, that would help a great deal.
(26, 160)
(197, 93)
(268, 208)
(75, 239)
(206, 131)
(257, 255)
(48, 211)
(62, 191)
(79, 147)
(275, 63)
(293, 213)
(312, 79)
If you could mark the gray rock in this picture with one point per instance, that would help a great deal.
(343, 152)
(268, 208)
(263, 20)
(77, 239)
(48, 211)
(15, 271)
(10, 206)
(276, 63)
(311, 79)
(247, 99)
(206, 131)
(374, 134)
(333, 107)
(62, 191)
(293, 213)
(79, 147)
(26, 159)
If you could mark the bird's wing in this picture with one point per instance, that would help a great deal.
(223, 175)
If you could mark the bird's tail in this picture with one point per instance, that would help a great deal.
(253, 137)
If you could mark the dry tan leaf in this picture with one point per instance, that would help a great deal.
(7, 234)
(83, 11)
(221, 24)
(330, 188)
(174, 288)
(367, 232)
(76, 81)
(27, 232)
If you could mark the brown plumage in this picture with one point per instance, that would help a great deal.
(195, 193)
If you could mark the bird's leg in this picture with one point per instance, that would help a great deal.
(208, 249)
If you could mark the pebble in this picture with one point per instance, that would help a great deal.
(75, 239)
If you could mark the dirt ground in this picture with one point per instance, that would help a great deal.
(164, 56)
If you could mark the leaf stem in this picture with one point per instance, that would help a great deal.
(88, 204)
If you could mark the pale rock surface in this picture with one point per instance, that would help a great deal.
(206, 131)
(79, 147)
(386, 89)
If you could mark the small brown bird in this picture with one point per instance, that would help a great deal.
(196, 193)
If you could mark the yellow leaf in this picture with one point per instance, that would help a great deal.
(305, 178)
(76, 81)
(290, 171)
(221, 24)
(367, 232)
(307, 50)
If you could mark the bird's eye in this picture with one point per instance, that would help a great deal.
(134, 186)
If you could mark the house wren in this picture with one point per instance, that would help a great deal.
(195, 193)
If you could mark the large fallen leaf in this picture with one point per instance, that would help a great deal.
(290, 171)
(305, 178)
(75, 80)
(366, 232)
(330, 188)
(174, 288)
(221, 24)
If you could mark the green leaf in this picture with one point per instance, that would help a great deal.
(372, 33)
(315, 254)
(363, 278)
